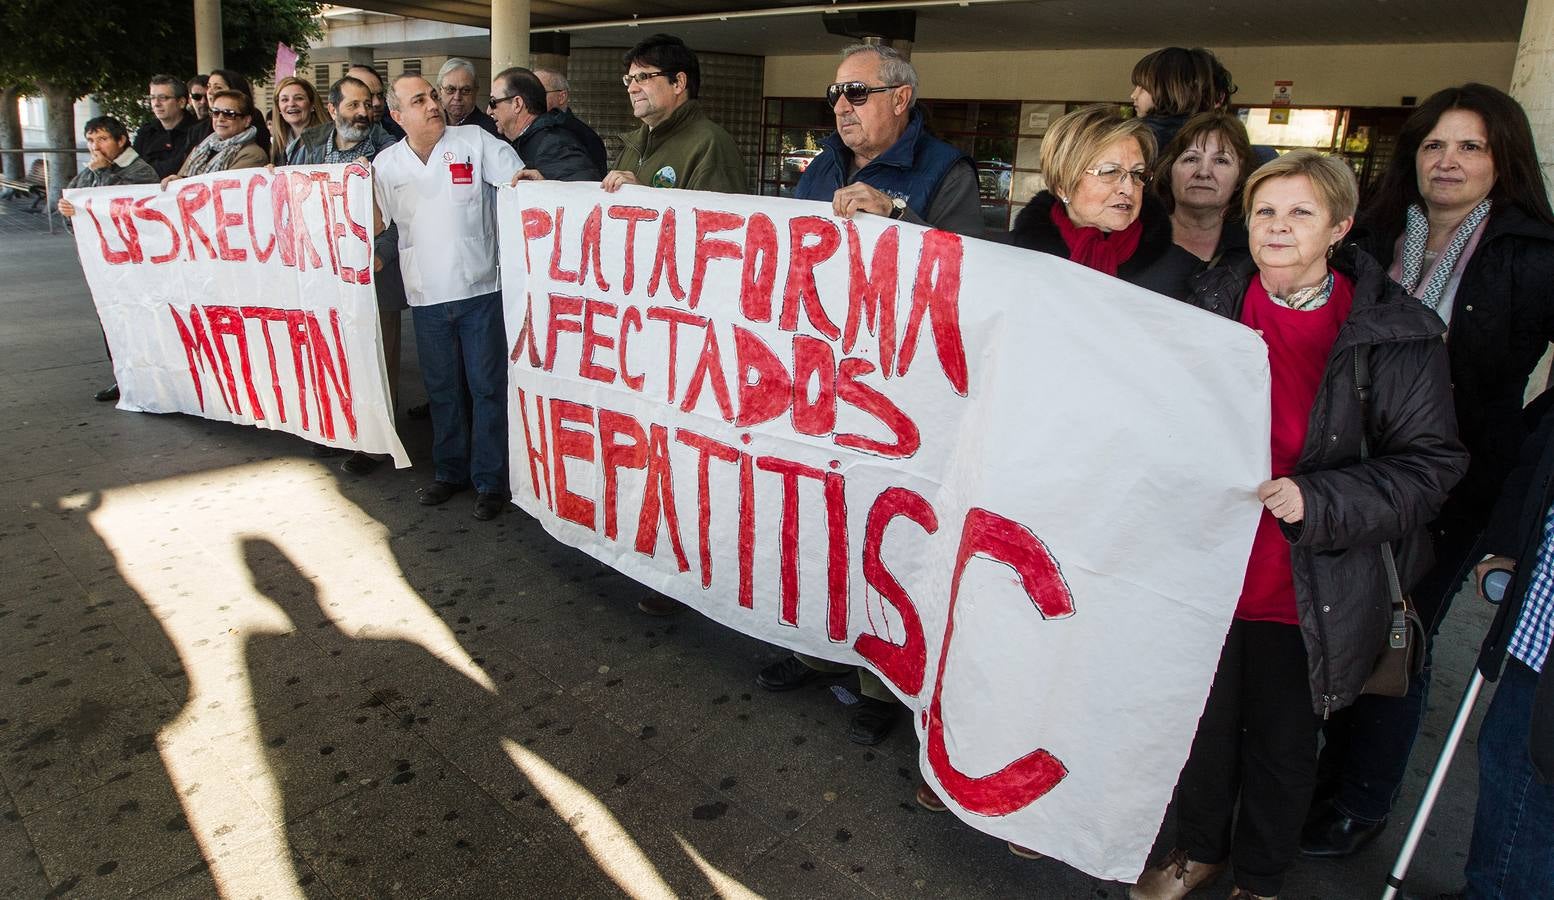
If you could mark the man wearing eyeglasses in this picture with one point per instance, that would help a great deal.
(677, 145)
(518, 105)
(456, 89)
(558, 94)
(167, 138)
(881, 159)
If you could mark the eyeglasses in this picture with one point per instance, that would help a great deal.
(458, 91)
(164, 98)
(641, 78)
(494, 102)
(217, 112)
(196, 96)
(856, 92)
(1116, 174)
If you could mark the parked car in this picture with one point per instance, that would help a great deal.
(795, 162)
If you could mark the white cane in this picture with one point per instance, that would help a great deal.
(1433, 789)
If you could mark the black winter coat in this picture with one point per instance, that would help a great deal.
(1502, 321)
(549, 146)
(1157, 265)
(1515, 530)
(1353, 507)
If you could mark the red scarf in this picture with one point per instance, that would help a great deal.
(1093, 248)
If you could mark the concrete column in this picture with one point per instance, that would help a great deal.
(509, 34)
(208, 52)
(11, 132)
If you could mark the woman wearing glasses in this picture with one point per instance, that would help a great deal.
(1355, 478)
(1096, 211)
(231, 142)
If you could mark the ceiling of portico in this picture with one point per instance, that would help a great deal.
(1031, 24)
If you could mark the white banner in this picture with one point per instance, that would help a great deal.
(1020, 491)
(245, 296)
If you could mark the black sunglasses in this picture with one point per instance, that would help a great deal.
(856, 92)
(219, 113)
(494, 102)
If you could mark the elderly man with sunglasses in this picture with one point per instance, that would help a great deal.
(677, 145)
(881, 159)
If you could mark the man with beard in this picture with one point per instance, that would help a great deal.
(439, 185)
(352, 134)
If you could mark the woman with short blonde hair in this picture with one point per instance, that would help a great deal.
(1096, 211)
(1342, 527)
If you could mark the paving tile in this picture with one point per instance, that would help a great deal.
(404, 837)
(791, 871)
(124, 837)
(59, 746)
(249, 874)
(24, 878)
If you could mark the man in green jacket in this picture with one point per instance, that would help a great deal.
(677, 145)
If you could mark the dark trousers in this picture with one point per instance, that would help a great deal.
(1367, 746)
(1512, 854)
(1256, 743)
(464, 365)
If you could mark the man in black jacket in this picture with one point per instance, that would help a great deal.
(542, 141)
(558, 92)
(1512, 853)
(167, 139)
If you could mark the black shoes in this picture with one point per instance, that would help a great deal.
(788, 674)
(1329, 834)
(419, 413)
(109, 394)
(360, 463)
(438, 492)
(872, 721)
(488, 505)
(659, 605)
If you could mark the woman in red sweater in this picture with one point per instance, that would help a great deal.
(1315, 605)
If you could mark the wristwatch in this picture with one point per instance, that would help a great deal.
(897, 207)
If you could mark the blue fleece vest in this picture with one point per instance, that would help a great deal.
(911, 169)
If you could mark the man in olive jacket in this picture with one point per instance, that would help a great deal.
(677, 145)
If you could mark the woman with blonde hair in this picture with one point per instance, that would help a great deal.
(295, 110)
(1364, 449)
(1096, 211)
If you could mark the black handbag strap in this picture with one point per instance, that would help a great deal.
(1397, 636)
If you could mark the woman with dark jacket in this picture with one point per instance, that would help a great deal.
(1315, 606)
(1096, 211)
(1461, 219)
(1199, 179)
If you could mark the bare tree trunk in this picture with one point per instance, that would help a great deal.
(11, 132)
(59, 126)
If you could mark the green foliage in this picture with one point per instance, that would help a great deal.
(113, 47)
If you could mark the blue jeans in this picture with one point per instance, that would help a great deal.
(1512, 854)
(464, 365)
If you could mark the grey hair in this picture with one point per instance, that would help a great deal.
(894, 68)
(392, 95)
(555, 77)
(454, 64)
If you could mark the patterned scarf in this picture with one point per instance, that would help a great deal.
(214, 154)
(1415, 236)
(1307, 298)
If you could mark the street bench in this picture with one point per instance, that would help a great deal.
(33, 185)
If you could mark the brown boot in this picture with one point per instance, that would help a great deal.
(1244, 894)
(1175, 877)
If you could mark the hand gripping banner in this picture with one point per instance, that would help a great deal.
(1021, 492)
(245, 296)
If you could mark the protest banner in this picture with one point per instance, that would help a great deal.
(1020, 491)
(244, 296)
